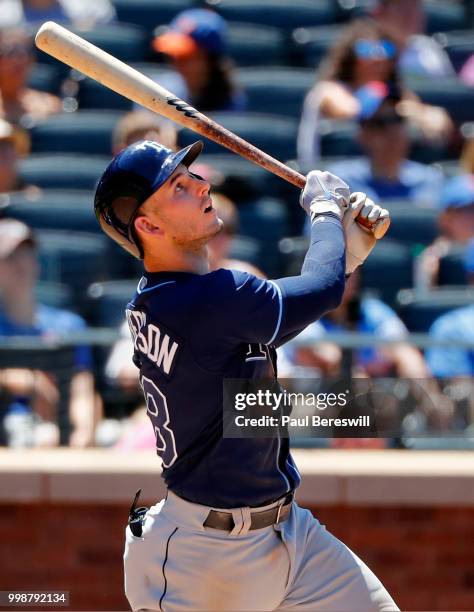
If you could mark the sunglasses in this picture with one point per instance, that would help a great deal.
(374, 49)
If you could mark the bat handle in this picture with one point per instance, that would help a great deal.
(300, 181)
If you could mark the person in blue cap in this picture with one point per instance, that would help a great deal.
(456, 225)
(196, 45)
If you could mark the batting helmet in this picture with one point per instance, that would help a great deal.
(130, 179)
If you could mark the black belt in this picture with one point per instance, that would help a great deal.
(219, 519)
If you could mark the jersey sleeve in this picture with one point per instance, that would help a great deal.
(250, 309)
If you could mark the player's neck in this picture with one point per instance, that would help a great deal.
(181, 261)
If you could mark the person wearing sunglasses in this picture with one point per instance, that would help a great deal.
(365, 52)
(385, 172)
(20, 104)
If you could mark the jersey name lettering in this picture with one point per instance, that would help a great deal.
(148, 339)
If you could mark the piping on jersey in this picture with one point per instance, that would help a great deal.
(280, 303)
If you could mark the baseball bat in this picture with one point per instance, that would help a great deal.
(85, 57)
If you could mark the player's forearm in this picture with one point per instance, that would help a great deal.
(320, 286)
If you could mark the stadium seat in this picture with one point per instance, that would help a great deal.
(279, 13)
(444, 16)
(419, 310)
(62, 171)
(129, 43)
(411, 225)
(281, 90)
(150, 13)
(266, 220)
(238, 178)
(55, 210)
(389, 268)
(450, 93)
(251, 44)
(54, 294)
(93, 95)
(459, 45)
(247, 249)
(81, 132)
(339, 138)
(75, 259)
(45, 77)
(452, 269)
(273, 134)
(312, 44)
(108, 301)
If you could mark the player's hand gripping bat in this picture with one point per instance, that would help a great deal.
(116, 75)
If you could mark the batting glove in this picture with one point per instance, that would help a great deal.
(359, 240)
(323, 193)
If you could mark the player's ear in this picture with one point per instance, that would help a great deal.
(144, 225)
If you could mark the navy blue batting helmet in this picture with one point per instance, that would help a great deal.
(130, 179)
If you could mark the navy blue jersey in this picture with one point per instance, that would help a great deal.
(191, 331)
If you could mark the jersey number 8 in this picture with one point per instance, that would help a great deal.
(157, 409)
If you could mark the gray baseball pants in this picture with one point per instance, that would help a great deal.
(179, 565)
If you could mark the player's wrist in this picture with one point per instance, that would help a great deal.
(319, 207)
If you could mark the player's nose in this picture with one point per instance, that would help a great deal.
(203, 186)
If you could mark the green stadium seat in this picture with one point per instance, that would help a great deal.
(273, 134)
(411, 225)
(452, 269)
(62, 171)
(419, 310)
(250, 44)
(127, 42)
(388, 269)
(150, 13)
(280, 89)
(93, 95)
(80, 132)
(55, 210)
(279, 13)
(312, 44)
(108, 301)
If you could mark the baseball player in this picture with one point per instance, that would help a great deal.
(229, 535)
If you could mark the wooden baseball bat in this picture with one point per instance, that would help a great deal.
(85, 57)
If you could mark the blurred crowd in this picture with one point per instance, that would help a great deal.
(380, 93)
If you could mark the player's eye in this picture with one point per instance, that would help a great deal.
(179, 186)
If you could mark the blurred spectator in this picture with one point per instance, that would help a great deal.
(313, 347)
(80, 13)
(9, 179)
(22, 315)
(466, 73)
(456, 325)
(365, 52)
(384, 136)
(18, 103)
(405, 21)
(456, 224)
(466, 161)
(196, 45)
(143, 125)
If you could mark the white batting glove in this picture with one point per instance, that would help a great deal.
(360, 240)
(324, 192)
